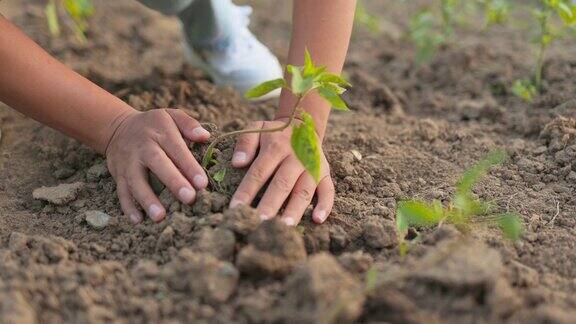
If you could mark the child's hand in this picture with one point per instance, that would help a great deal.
(153, 141)
(290, 181)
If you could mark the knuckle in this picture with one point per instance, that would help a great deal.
(282, 183)
(175, 183)
(154, 157)
(257, 174)
(275, 146)
(304, 193)
(242, 141)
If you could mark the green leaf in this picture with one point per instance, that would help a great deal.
(219, 175)
(417, 213)
(363, 18)
(207, 157)
(510, 226)
(79, 9)
(309, 67)
(300, 84)
(333, 78)
(306, 146)
(329, 93)
(264, 88)
(52, 18)
(472, 176)
(525, 89)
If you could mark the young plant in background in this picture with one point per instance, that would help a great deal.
(462, 211)
(305, 80)
(365, 19)
(425, 37)
(78, 10)
(548, 32)
(427, 32)
(495, 11)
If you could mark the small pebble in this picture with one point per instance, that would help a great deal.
(97, 219)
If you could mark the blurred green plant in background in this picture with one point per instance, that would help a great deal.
(77, 10)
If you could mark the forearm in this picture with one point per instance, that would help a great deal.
(324, 28)
(39, 86)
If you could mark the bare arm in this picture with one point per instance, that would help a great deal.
(135, 143)
(324, 27)
(39, 86)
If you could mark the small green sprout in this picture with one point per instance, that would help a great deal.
(78, 10)
(462, 211)
(548, 32)
(305, 80)
(524, 89)
(219, 176)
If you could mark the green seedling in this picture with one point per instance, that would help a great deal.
(78, 10)
(496, 12)
(365, 19)
(462, 211)
(548, 32)
(425, 37)
(427, 32)
(305, 79)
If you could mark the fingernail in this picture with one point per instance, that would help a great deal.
(200, 181)
(135, 218)
(155, 212)
(186, 195)
(264, 217)
(238, 157)
(235, 203)
(320, 216)
(200, 132)
(289, 221)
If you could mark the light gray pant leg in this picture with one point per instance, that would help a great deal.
(203, 21)
(167, 7)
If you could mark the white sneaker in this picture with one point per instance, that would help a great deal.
(240, 61)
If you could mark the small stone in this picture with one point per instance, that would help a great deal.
(60, 194)
(356, 154)
(96, 172)
(97, 219)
